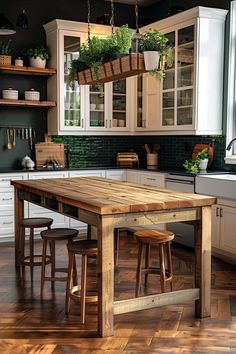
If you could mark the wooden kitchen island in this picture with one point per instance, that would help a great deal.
(107, 204)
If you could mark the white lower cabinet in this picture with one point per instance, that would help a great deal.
(223, 228)
(7, 203)
(152, 179)
(119, 175)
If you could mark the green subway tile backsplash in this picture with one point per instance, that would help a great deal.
(100, 151)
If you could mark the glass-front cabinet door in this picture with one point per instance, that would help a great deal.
(73, 114)
(119, 104)
(96, 107)
(178, 84)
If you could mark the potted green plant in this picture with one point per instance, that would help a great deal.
(199, 163)
(38, 56)
(5, 53)
(154, 46)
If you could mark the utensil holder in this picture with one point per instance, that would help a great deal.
(152, 159)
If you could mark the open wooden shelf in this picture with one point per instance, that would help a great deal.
(25, 103)
(27, 70)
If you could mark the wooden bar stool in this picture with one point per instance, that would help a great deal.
(87, 249)
(51, 236)
(159, 238)
(32, 259)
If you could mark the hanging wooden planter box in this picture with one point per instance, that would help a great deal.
(130, 65)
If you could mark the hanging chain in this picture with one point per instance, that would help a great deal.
(136, 16)
(112, 17)
(88, 16)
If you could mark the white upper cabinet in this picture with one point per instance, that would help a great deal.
(190, 101)
(82, 108)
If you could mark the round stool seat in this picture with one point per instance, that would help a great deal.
(87, 247)
(59, 234)
(162, 239)
(36, 222)
(154, 236)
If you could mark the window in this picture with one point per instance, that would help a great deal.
(231, 89)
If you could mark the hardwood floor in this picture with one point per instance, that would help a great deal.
(29, 325)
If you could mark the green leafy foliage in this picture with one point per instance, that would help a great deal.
(5, 48)
(152, 40)
(99, 50)
(192, 166)
(39, 51)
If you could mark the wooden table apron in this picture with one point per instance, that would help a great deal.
(78, 198)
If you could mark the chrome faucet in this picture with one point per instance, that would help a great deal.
(230, 144)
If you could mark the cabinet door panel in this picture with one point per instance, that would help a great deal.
(227, 229)
(152, 179)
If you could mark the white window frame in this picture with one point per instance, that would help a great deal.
(231, 89)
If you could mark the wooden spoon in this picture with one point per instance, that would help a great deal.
(9, 144)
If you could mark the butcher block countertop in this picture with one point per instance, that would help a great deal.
(105, 196)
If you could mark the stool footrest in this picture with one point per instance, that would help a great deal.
(155, 270)
(55, 279)
(77, 297)
(26, 260)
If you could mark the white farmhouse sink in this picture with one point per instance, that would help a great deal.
(218, 185)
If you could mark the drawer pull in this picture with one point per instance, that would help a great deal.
(7, 198)
(6, 180)
(151, 179)
(7, 222)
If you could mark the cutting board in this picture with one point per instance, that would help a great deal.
(47, 151)
(204, 147)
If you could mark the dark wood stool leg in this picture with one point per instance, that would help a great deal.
(22, 252)
(138, 271)
(31, 253)
(147, 263)
(44, 253)
(75, 278)
(53, 264)
(83, 287)
(169, 263)
(162, 268)
(71, 264)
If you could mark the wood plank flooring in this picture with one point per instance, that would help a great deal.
(29, 325)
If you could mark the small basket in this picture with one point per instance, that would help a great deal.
(10, 94)
(32, 95)
(5, 60)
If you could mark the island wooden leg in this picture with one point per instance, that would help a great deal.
(105, 278)
(203, 263)
(19, 215)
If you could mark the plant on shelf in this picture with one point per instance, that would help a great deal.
(5, 53)
(158, 54)
(194, 166)
(38, 56)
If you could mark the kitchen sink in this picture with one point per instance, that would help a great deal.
(228, 176)
(218, 185)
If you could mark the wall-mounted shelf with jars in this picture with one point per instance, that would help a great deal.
(26, 70)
